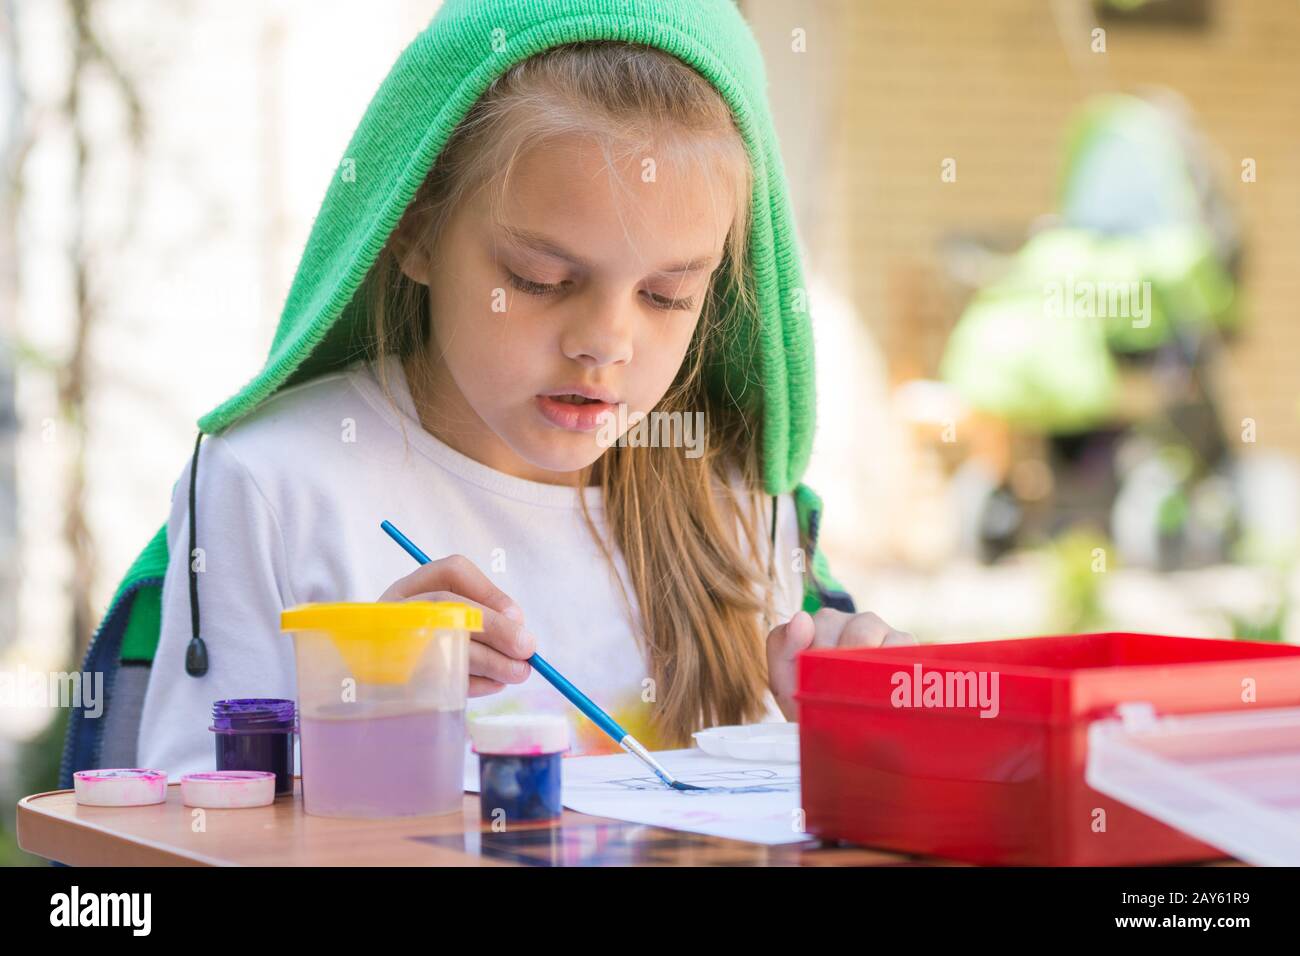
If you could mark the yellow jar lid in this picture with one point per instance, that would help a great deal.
(378, 617)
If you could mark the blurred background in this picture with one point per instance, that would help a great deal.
(1050, 243)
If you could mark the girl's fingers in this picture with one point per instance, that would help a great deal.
(786, 641)
(864, 630)
(829, 624)
(838, 629)
(499, 631)
(897, 638)
(482, 686)
(457, 574)
(498, 655)
(868, 630)
(485, 661)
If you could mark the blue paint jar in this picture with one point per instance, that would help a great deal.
(520, 758)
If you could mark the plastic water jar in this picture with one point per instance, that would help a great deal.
(381, 705)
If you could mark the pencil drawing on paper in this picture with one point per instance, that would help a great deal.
(748, 780)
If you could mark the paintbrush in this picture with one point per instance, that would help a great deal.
(576, 697)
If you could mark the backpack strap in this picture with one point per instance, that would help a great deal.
(129, 634)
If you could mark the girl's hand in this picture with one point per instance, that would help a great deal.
(499, 654)
(828, 628)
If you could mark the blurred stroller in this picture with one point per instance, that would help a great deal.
(1099, 336)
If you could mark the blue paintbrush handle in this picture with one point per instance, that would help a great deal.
(554, 677)
(578, 699)
(407, 544)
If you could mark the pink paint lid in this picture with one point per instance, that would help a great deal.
(120, 787)
(129, 773)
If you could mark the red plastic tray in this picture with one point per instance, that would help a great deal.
(1008, 789)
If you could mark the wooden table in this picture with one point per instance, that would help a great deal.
(53, 826)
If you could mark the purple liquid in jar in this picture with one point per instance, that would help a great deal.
(384, 765)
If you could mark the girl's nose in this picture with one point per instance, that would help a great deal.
(600, 335)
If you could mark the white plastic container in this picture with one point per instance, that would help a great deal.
(772, 741)
(1231, 780)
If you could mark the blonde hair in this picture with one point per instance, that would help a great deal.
(689, 529)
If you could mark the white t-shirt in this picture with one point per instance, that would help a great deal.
(289, 503)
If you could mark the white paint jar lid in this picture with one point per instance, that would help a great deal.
(228, 789)
(519, 734)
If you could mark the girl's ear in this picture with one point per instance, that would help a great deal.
(412, 256)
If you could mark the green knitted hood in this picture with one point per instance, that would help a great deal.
(430, 89)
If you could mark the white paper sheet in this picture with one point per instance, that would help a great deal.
(755, 802)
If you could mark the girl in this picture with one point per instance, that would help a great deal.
(554, 219)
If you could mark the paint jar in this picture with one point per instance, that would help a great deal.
(381, 705)
(256, 733)
(519, 766)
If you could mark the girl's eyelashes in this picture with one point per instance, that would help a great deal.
(668, 304)
(531, 287)
(661, 302)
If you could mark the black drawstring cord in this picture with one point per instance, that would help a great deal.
(771, 558)
(771, 552)
(196, 655)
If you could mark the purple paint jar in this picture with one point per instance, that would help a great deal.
(256, 734)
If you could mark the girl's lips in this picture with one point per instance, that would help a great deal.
(575, 418)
